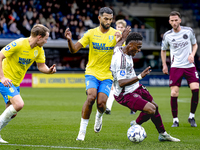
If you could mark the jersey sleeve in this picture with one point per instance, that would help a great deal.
(193, 38)
(165, 44)
(41, 57)
(10, 49)
(85, 40)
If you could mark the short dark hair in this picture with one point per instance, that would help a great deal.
(175, 13)
(105, 10)
(134, 36)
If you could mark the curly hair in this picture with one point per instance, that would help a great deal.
(134, 36)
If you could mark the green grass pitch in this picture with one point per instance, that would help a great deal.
(51, 117)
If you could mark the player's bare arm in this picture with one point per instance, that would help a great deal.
(73, 48)
(42, 67)
(123, 36)
(194, 50)
(5, 81)
(163, 57)
(125, 82)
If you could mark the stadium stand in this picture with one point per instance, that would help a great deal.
(80, 16)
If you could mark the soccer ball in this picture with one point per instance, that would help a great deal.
(136, 133)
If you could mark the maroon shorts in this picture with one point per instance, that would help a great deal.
(135, 100)
(176, 75)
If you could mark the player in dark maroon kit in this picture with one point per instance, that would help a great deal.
(127, 89)
(183, 46)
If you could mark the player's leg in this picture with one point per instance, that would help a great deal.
(14, 103)
(175, 78)
(193, 81)
(91, 87)
(157, 120)
(137, 101)
(194, 102)
(86, 111)
(101, 107)
(174, 105)
(17, 104)
(110, 101)
(144, 103)
(103, 93)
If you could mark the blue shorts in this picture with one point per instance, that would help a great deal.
(101, 86)
(8, 92)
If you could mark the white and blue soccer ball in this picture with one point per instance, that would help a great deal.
(136, 133)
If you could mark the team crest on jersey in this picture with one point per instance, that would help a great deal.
(7, 48)
(111, 37)
(35, 53)
(185, 36)
(13, 44)
(122, 73)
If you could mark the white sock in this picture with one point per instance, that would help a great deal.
(191, 115)
(6, 116)
(83, 125)
(175, 119)
(110, 100)
(98, 114)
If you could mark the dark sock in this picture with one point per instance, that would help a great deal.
(157, 120)
(143, 117)
(174, 107)
(194, 100)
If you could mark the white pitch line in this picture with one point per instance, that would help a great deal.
(184, 100)
(60, 147)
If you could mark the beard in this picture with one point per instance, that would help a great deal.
(175, 28)
(105, 27)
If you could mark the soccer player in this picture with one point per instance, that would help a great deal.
(15, 59)
(183, 46)
(127, 89)
(98, 77)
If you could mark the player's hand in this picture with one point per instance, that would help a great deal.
(165, 69)
(68, 34)
(126, 32)
(146, 72)
(118, 36)
(52, 69)
(191, 58)
(6, 82)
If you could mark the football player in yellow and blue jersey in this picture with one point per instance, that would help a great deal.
(98, 77)
(15, 59)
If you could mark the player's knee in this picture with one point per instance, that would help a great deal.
(152, 110)
(18, 106)
(149, 108)
(91, 99)
(174, 93)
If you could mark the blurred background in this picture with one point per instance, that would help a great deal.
(149, 17)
